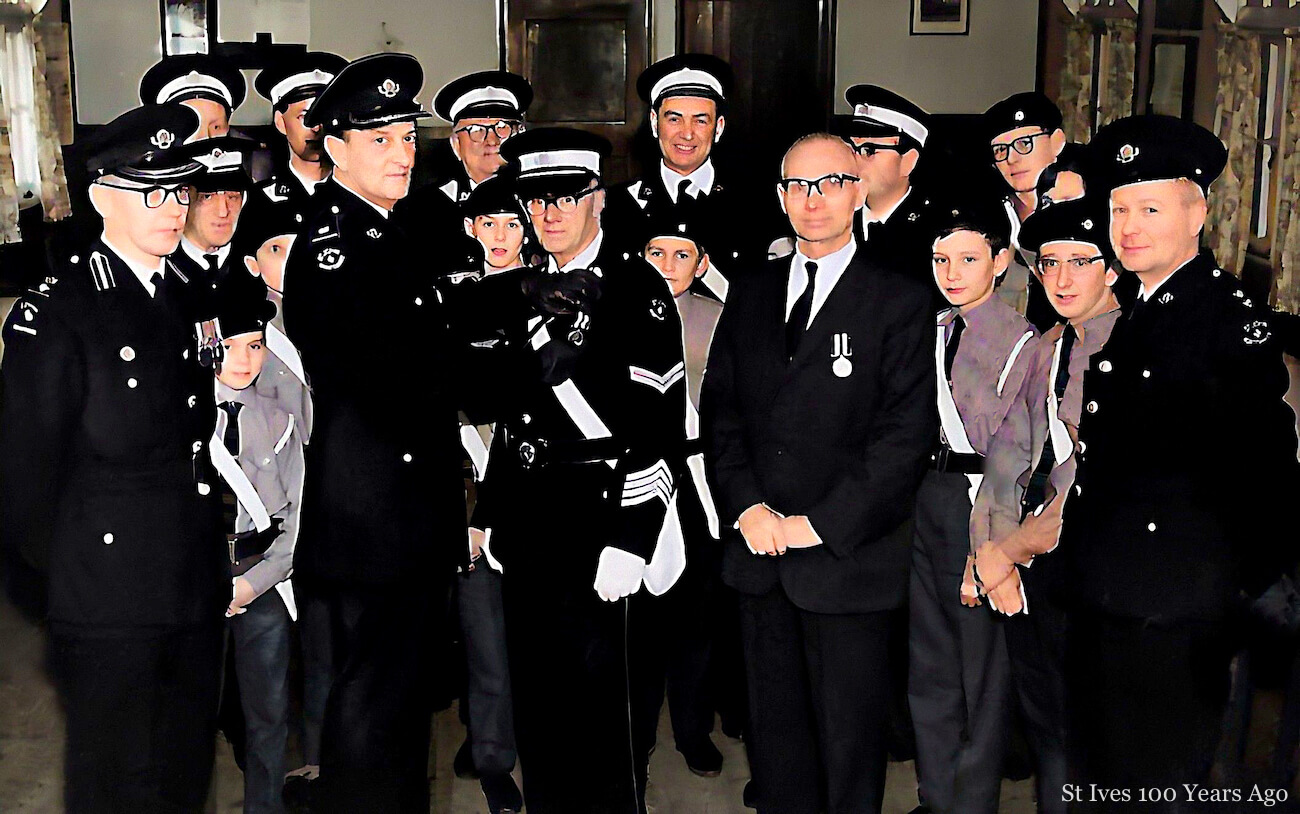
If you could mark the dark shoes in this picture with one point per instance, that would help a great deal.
(502, 794)
(749, 796)
(463, 765)
(702, 757)
(299, 793)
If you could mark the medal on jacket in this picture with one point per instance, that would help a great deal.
(210, 350)
(841, 364)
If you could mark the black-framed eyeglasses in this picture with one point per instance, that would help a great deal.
(1023, 145)
(1050, 266)
(869, 149)
(564, 203)
(836, 183)
(504, 130)
(155, 196)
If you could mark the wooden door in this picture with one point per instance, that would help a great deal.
(583, 58)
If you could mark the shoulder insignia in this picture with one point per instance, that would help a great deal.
(1257, 332)
(330, 259)
(278, 193)
(659, 309)
(324, 233)
(101, 271)
(28, 312)
(1166, 298)
(372, 232)
(179, 274)
(913, 217)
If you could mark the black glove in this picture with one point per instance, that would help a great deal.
(562, 293)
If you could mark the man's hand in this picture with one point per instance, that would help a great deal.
(970, 594)
(992, 567)
(1006, 598)
(564, 293)
(799, 532)
(476, 539)
(762, 530)
(243, 594)
(618, 574)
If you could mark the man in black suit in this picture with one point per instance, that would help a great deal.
(818, 416)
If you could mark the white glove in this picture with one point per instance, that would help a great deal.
(618, 574)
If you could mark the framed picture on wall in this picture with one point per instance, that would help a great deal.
(185, 27)
(940, 17)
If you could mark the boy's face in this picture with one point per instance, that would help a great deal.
(269, 261)
(965, 268)
(677, 260)
(502, 237)
(245, 354)
(1021, 170)
(1076, 279)
(303, 140)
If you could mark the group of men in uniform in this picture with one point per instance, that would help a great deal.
(795, 475)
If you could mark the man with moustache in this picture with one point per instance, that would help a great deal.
(106, 482)
(291, 86)
(1185, 452)
(818, 418)
(383, 519)
(209, 84)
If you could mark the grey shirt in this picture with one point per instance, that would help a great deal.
(699, 318)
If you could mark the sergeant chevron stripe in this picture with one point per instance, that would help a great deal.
(652, 379)
(655, 481)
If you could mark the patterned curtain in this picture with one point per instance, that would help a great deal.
(53, 130)
(1119, 54)
(1227, 229)
(1286, 237)
(1075, 100)
(8, 184)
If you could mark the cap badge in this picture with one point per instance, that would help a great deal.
(1127, 153)
(1020, 116)
(389, 88)
(1087, 224)
(330, 259)
(162, 139)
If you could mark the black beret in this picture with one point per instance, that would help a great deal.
(1080, 220)
(225, 160)
(495, 196)
(193, 76)
(975, 210)
(1136, 149)
(486, 94)
(146, 144)
(1030, 109)
(241, 303)
(370, 92)
(665, 222)
(702, 75)
(297, 76)
(554, 160)
(260, 222)
(879, 112)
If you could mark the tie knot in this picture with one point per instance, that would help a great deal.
(232, 407)
(683, 188)
(211, 260)
(811, 267)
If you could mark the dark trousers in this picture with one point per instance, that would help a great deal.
(375, 739)
(818, 705)
(1036, 646)
(490, 711)
(582, 740)
(958, 673)
(1146, 703)
(314, 635)
(260, 636)
(692, 612)
(141, 716)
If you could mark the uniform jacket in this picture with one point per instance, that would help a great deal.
(628, 385)
(103, 420)
(1186, 455)
(383, 497)
(847, 451)
(283, 189)
(902, 242)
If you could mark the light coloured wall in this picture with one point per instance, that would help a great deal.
(943, 74)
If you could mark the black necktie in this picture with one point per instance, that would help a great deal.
(1036, 491)
(1063, 366)
(231, 436)
(798, 321)
(211, 260)
(950, 350)
(157, 280)
(682, 188)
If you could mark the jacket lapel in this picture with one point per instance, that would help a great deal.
(815, 347)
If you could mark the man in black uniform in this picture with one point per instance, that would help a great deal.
(217, 201)
(384, 503)
(889, 134)
(484, 109)
(580, 490)
(291, 86)
(105, 481)
(687, 95)
(1186, 454)
(212, 86)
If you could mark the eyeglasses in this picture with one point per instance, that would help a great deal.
(1023, 145)
(827, 186)
(504, 130)
(564, 203)
(156, 196)
(1050, 266)
(868, 149)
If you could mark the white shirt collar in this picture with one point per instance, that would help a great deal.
(701, 180)
(363, 198)
(142, 272)
(829, 271)
(584, 258)
(870, 216)
(196, 254)
(306, 182)
(1147, 294)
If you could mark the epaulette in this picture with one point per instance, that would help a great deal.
(28, 310)
(101, 271)
(176, 270)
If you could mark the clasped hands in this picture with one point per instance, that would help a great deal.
(768, 532)
(998, 579)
